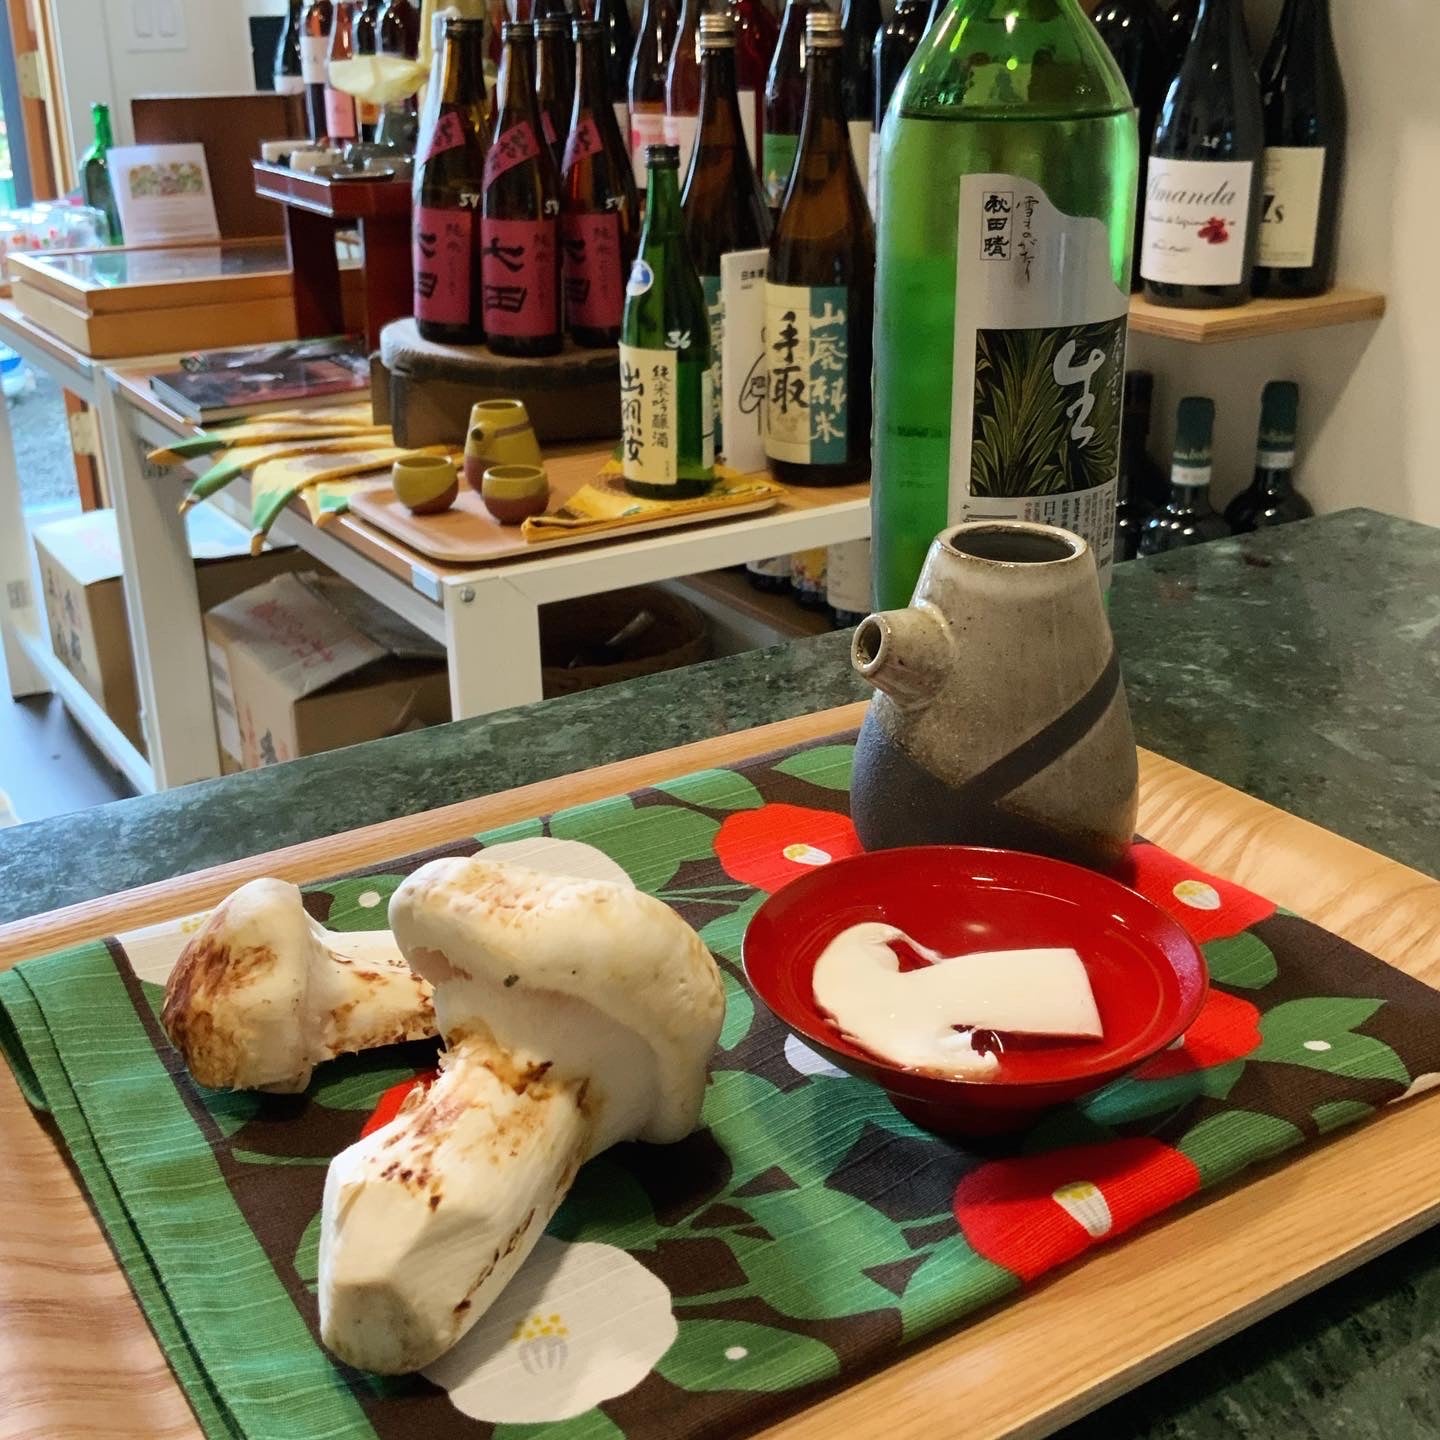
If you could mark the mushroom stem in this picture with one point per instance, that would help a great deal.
(427, 1218)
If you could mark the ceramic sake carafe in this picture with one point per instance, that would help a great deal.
(1000, 717)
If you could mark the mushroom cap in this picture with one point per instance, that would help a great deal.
(614, 985)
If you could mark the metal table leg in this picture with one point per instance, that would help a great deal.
(492, 641)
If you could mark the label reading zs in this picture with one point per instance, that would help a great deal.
(1290, 219)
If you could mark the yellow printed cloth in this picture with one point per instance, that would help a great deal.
(278, 425)
(605, 504)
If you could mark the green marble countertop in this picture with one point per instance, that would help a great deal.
(1302, 666)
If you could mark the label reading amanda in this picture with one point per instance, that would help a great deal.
(649, 441)
(807, 339)
(1039, 364)
(1290, 220)
(518, 272)
(1196, 212)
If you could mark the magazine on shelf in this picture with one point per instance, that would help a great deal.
(226, 384)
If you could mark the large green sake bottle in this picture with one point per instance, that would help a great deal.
(1005, 205)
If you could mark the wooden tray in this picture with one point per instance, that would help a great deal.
(467, 535)
(76, 1351)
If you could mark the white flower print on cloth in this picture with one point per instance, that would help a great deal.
(579, 1324)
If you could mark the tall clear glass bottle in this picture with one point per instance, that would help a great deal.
(1006, 203)
(649, 68)
(341, 119)
(682, 85)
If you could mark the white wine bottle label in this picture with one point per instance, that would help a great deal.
(649, 424)
(750, 122)
(861, 134)
(1196, 214)
(1290, 220)
(680, 131)
(1039, 364)
(847, 577)
(807, 343)
(314, 53)
(647, 127)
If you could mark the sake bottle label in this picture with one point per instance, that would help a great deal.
(807, 343)
(594, 269)
(1039, 364)
(443, 264)
(518, 273)
(649, 436)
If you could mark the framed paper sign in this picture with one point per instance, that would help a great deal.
(163, 193)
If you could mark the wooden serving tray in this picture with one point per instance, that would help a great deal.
(75, 1350)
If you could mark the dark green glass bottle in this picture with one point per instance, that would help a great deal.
(95, 183)
(1271, 498)
(1187, 517)
(667, 396)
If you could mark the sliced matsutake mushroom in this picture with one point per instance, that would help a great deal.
(262, 993)
(576, 1014)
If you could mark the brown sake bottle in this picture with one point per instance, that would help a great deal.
(820, 290)
(649, 69)
(449, 179)
(520, 225)
(599, 205)
(314, 62)
(554, 81)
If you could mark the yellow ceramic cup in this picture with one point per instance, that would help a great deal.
(500, 434)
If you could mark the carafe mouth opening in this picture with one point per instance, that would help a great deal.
(1013, 542)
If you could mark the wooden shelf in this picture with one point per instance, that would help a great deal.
(1342, 306)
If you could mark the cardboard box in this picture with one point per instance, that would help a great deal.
(80, 574)
(304, 663)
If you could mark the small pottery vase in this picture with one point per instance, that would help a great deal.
(1001, 718)
(500, 434)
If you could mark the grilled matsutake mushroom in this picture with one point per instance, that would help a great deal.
(262, 993)
(576, 1014)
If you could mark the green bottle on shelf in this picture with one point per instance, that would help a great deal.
(1006, 201)
(667, 395)
(95, 183)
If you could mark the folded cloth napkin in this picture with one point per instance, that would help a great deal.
(357, 419)
(692, 1291)
(606, 504)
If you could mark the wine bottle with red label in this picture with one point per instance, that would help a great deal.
(1202, 193)
(449, 177)
(520, 224)
(341, 121)
(599, 205)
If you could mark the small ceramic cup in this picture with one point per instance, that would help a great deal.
(500, 434)
(513, 493)
(424, 484)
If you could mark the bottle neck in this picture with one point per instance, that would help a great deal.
(103, 137)
(464, 72)
(663, 218)
(719, 98)
(592, 87)
(1134, 432)
(1275, 464)
(515, 84)
(822, 124)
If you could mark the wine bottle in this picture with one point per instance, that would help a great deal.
(770, 576)
(724, 204)
(554, 82)
(1271, 498)
(807, 578)
(682, 84)
(895, 43)
(314, 60)
(1142, 485)
(820, 291)
(1006, 186)
(1202, 194)
(756, 33)
(667, 403)
(599, 208)
(614, 19)
(96, 187)
(399, 28)
(847, 582)
(859, 24)
(520, 213)
(1187, 516)
(1303, 96)
(1131, 32)
(367, 42)
(1177, 25)
(341, 122)
(649, 64)
(784, 101)
(449, 181)
(550, 10)
(286, 69)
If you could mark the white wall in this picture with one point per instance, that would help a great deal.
(102, 59)
(1370, 394)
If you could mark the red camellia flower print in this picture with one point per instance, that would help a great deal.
(1215, 231)
(391, 1102)
(1228, 1028)
(1035, 1212)
(1208, 907)
(771, 846)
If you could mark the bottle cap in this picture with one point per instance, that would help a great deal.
(515, 30)
(822, 30)
(585, 29)
(1194, 430)
(717, 31)
(551, 25)
(662, 157)
(1279, 412)
(463, 25)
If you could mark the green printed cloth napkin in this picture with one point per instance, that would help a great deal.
(695, 1290)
